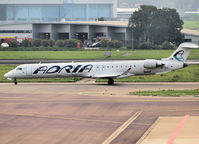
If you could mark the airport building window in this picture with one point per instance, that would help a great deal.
(44, 35)
(15, 31)
(63, 36)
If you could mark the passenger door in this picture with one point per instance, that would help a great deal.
(28, 70)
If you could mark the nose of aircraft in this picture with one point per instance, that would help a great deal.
(8, 74)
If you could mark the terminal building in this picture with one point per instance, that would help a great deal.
(82, 30)
(56, 10)
(123, 14)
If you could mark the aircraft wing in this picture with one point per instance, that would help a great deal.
(125, 74)
(105, 76)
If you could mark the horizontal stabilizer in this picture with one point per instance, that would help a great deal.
(188, 46)
(192, 63)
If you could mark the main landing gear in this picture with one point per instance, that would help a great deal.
(15, 82)
(110, 81)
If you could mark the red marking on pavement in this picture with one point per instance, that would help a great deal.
(178, 129)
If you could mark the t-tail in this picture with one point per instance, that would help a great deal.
(182, 52)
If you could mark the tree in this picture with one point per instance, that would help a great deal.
(13, 44)
(117, 43)
(145, 45)
(166, 45)
(139, 23)
(59, 43)
(36, 42)
(166, 25)
(156, 25)
(26, 43)
(51, 43)
(110, 44)
(72, 43)
(45, 43)
(104, 43)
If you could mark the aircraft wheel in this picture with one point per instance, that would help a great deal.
(110, 81)
(15, 82)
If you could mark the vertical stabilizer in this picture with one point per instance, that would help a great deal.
(182, 52)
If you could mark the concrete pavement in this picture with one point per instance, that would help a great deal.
(86, 113)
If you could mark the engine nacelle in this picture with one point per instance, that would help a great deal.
(152, 64)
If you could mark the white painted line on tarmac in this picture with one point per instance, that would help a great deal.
(121, 128)
(148, 131)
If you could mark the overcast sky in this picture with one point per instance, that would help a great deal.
(179, 4)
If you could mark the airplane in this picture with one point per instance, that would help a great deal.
(108, 70)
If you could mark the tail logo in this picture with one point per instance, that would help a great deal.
(179, 56)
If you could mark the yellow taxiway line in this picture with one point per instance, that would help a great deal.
(121, 128)
(61, 118)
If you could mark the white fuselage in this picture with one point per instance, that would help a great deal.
(113, 69)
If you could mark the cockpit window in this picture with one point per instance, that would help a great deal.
(19, 68)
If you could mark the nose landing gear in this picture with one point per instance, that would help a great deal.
(15, 82)
(110, 81)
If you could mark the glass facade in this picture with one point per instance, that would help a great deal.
(33, 12)
(101, 10)
(55, 12)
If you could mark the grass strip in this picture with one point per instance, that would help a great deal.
(116, 55)
(169, 93)
(191, 25)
